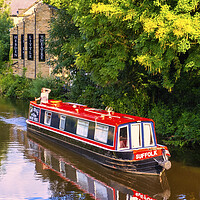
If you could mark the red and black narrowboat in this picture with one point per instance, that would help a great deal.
(119, 141)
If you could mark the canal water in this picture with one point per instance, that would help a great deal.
(35, 169)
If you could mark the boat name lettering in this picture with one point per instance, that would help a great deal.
(146, 155)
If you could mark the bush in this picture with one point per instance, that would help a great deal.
(16, 87)
(84, 91)
(13, 86)
(188, 129)
(163, 118)
(121, 99)
(6, 81)
(175, 126)
(123, 102)
(19, 88)
(56, 85)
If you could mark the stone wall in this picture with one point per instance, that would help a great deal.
(34, 23)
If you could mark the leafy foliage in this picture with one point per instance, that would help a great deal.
(120, 33)
(84, 91)
(163, 117)
(5, 25)
(13, 86)
(175, 126)
(16, 87)
(63, 42)
(188, 128)
(56, 86)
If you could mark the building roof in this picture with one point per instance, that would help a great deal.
(19, 4)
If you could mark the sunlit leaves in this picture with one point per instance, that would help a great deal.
(177, 29)
(120, 32)
(183, 45)
(108, 9)
(187, 5)
(5, 25)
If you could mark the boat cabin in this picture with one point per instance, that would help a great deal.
(115, 131)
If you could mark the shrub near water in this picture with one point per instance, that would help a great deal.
(16, 87)
(163, 119)
(176, 127)
(13, 86)
(188, 128)
(56, 85)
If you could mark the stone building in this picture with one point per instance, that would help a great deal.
(27, 40)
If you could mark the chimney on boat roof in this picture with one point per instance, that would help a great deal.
(109, 110)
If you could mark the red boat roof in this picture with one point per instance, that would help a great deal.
(84, 112)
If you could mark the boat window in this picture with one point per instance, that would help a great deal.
(148, 135)
(123, 137)
(71, 124)
(62, 122)
(82, 128)
(47, 118)
(101, 133)
(136, 135)
(42, 116)
(55, 121)
(110, 135)
(91, 130)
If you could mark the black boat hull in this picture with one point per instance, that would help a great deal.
(111, 159)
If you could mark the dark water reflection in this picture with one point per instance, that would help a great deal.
(33, 168)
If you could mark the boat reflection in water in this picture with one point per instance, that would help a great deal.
(92, 178)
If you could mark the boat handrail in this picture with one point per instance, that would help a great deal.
(75, 104)
(108, 114)
(93, 109)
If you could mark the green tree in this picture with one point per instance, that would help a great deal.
(5, 25)
(63, 42)
(162, 36)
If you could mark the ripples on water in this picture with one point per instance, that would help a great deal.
(17, 122)
(33, 168)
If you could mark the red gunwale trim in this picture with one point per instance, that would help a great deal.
(86, 140)
(84, 112)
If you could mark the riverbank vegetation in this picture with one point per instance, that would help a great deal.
(140, 58)
(5, 25)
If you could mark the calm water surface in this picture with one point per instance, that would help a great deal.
(34, 168)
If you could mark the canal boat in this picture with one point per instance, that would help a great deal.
(119, 141)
